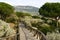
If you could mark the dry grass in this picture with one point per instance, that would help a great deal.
(12, 25)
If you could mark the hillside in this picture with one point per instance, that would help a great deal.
(28, 9)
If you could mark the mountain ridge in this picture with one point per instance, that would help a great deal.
(28, 9)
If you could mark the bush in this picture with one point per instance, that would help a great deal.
(53, 36)
(12, 19)
(22, 14)
(5, 29)
(36, 17)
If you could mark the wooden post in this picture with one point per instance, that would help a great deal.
(18, 36)
(57, 24)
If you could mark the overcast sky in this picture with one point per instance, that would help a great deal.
(36, 3)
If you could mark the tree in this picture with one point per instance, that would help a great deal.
(50, 10)
(5, 10)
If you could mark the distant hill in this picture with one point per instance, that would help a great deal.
(28, 9)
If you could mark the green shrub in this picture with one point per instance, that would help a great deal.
(22, 14)
(12, 19)
(36, 17)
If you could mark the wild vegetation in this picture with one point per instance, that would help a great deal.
(49, 23)
(51, 11)
(5, 10)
